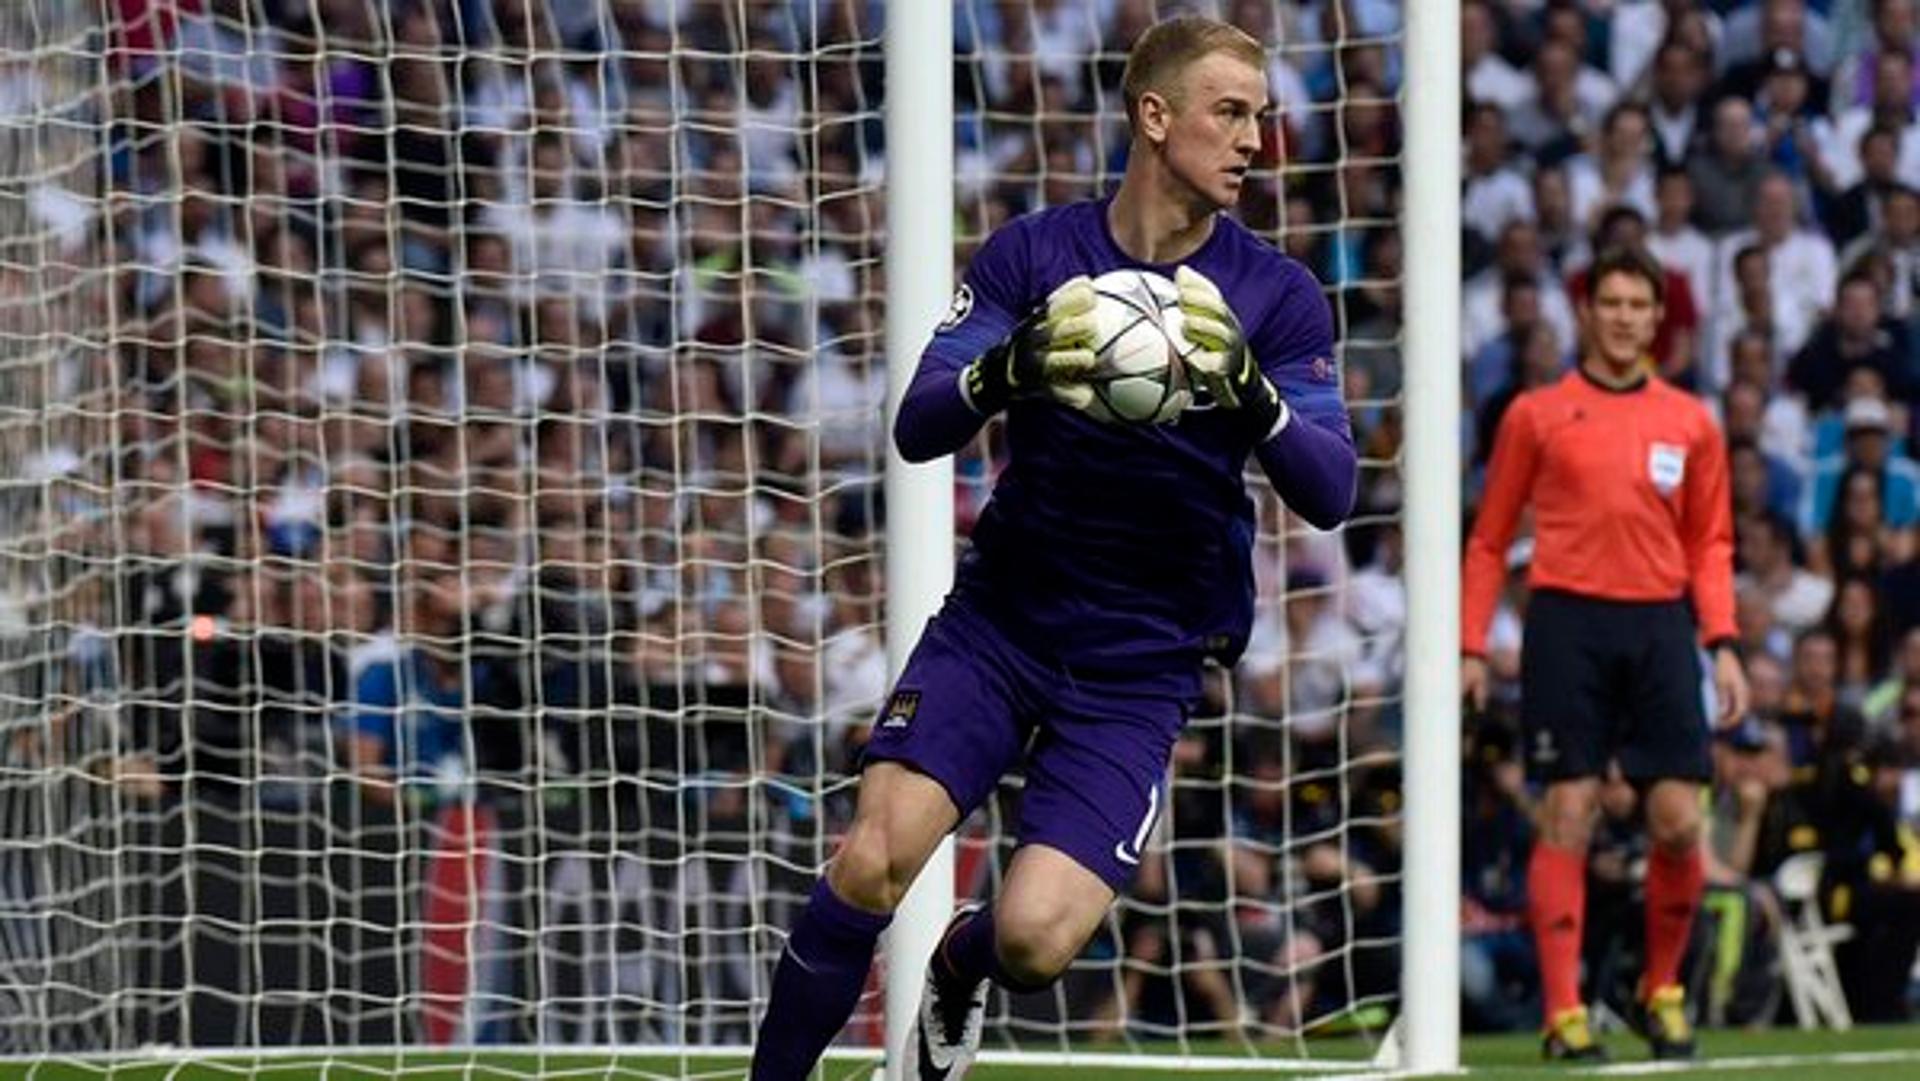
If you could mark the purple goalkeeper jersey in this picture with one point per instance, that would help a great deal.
(1123, 551)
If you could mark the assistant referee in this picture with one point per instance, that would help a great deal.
(1632, 573)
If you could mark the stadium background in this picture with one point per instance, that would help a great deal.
(457, 469)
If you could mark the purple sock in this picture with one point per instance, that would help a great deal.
(968, 955)
(816, 985)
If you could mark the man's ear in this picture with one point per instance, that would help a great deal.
(1155, 113)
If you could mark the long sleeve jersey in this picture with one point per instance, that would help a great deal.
(1630, 499)
(1124, 548)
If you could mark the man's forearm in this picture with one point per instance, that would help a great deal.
(1314, 469)
(935, 418)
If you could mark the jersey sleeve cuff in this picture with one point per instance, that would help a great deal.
(1280, 423)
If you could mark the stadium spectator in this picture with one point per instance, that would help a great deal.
(1619, 173)
(1496, 192)
(1679, 83)
(1680, 246)
(1569, 104)
(1519, 256)
(1727, 171)
(1741, 914)
(1490, 79)
(1857, 207)
(1499, 977)
(1776, 488)
(1870, 457)
(1822, 728)
(1872, 881)
(1794, 597)
(1886, 704)
(1801, 266)
(1855, 336)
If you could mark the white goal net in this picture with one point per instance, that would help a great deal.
(440, 445)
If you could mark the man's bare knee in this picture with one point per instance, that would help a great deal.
(902, 816)
(1566, 819)
(1049, 909)
(1673, 817)
(862, 874)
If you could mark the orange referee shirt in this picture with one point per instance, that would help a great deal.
(1630, 502)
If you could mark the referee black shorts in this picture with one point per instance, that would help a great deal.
(1603, 680)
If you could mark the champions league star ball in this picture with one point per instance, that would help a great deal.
(1140, 342)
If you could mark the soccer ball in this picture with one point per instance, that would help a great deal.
(1140, 343)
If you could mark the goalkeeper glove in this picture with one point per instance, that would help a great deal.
(1221, 363)
(1048, 352)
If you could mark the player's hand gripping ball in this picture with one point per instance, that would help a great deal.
(1139, 345)
(1220, 362)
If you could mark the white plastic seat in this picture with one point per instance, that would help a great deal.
(1806, 946)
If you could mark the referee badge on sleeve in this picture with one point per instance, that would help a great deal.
(1666, 466)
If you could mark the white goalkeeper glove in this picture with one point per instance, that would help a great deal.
(1048, 352)
(1221, 364)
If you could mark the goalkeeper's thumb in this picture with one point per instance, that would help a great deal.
(1210, 323)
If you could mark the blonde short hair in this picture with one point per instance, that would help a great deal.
(1158, 58)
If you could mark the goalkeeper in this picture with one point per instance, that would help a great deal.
(1632, 564)
(1110, 564)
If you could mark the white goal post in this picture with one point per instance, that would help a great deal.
(444, 457)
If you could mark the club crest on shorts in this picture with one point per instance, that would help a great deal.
(1666, 466)
(900, 709)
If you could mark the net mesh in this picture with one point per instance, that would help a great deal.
(440, 466)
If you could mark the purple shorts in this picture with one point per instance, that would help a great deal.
(969, 703)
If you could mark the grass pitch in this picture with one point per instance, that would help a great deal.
(1868, 1054)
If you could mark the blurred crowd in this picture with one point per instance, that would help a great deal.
(497, 400)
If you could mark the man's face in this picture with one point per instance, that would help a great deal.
(1556, 67)
(1783, 24)
(1892, 82)
(1519, 250)
(1732, 129)
(1894, 22)
(1621, 318)
(1746, 408)
(1487, 138)
(1675, 198)
(1910, 720)
(1868, 447)
(1902, 217)
(1858, 310)
(1880, 157)
(1627, 136)
(1761, 551)
(1816, 663)
(1210, 132)
(1674, 84)
(1773, 209)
